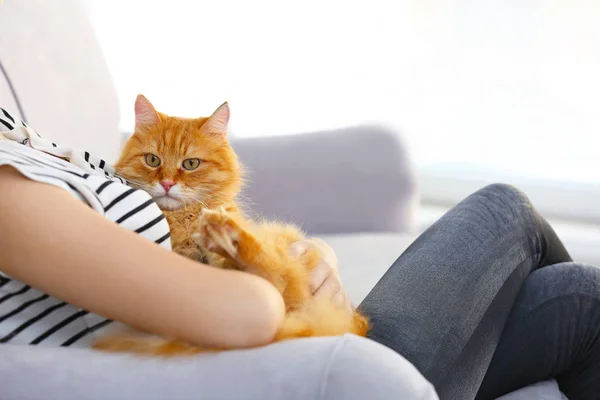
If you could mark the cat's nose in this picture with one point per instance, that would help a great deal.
(167, 185)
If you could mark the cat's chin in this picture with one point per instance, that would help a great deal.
(169, 203)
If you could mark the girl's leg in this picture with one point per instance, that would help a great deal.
(347, 367)
(445, 301)
(553, 332)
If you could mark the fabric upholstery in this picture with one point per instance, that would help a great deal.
(56, 65)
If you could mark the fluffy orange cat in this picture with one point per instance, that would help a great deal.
(193, 174)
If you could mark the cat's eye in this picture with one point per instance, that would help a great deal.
(152, 160)
(190, 163)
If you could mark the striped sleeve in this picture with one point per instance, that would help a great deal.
(46, 169)
(131, 208)
(28, 316)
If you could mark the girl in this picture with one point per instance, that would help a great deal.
(467, 309)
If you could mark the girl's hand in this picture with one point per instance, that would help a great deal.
(325, 277)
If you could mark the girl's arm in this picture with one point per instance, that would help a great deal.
(60, 246)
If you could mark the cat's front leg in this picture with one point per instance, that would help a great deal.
(215, 231)
(228, 236)
(220, 232)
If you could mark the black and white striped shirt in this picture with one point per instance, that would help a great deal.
(28, 316)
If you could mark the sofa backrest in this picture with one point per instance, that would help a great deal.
(50, 54)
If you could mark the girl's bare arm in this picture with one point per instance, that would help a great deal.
(60, 246)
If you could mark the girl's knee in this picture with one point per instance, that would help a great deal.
(507, 196)
(509, 206)
(569, 293)
(502, 188)
(362, 368)
(572, 280)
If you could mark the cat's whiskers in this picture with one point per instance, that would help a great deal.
(201, 193)
(203, 204)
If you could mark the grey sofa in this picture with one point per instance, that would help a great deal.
(365, 207)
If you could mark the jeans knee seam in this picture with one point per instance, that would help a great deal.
(327, 372)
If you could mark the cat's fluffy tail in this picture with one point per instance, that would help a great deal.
(133, 341)
(320, 317)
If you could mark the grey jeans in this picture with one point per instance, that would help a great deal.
(459, 304)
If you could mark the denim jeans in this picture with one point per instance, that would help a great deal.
(469, 304)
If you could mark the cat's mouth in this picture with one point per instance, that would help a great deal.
(169, 202)
(169, 195)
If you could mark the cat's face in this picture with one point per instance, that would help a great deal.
(181, 161)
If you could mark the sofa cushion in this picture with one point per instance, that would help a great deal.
(57, 68)
(364, 258)
(540, 391)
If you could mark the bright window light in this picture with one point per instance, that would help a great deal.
(503, 89)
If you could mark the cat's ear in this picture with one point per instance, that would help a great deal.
(145, 114)
(218, 121)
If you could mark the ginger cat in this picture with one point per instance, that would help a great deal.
(193, 174)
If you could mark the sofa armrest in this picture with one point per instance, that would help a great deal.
(344, 181)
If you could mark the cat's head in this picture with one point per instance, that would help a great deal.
(181, 161)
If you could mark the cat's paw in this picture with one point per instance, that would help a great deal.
(215, 231)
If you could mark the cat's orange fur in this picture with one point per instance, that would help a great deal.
(207, 225)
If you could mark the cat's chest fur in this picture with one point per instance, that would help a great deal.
(181, 224)
(182, 218)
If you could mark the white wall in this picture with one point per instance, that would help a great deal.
(505, 89)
